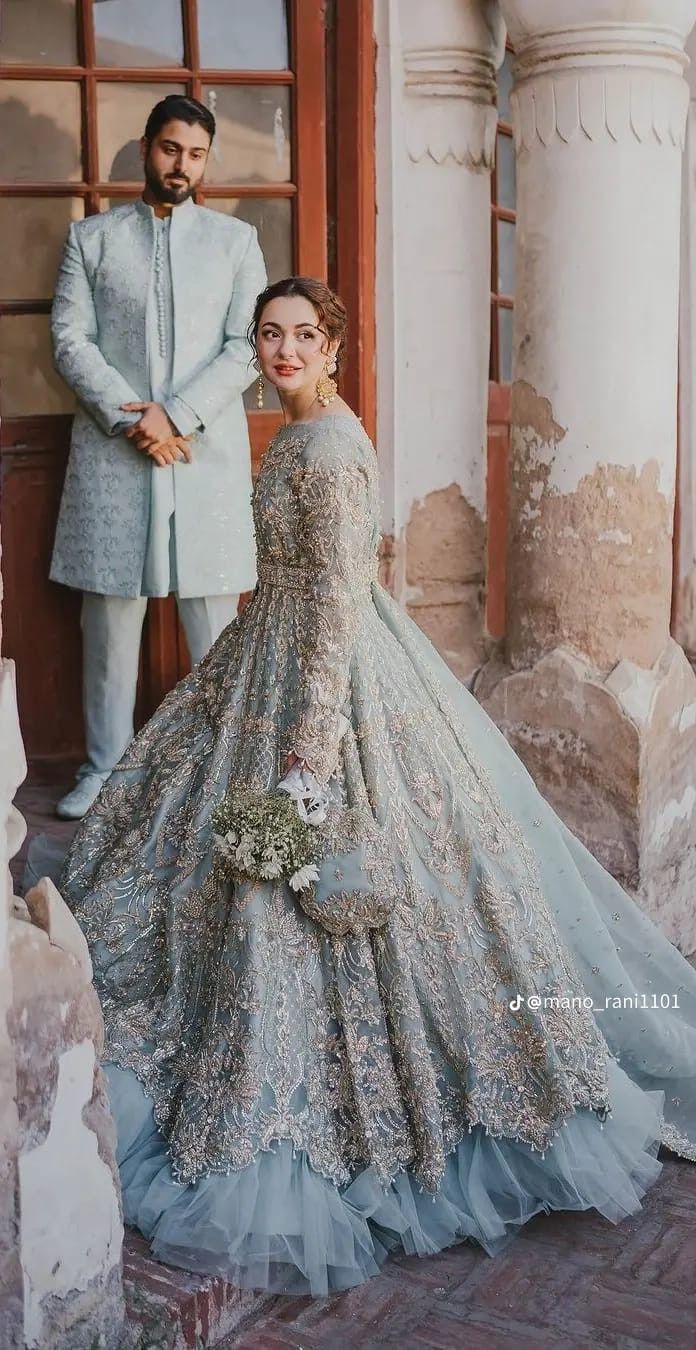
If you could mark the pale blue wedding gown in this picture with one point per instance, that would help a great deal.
(302, 1088)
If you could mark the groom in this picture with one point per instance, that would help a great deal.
(149, 330)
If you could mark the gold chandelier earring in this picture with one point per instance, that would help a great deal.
(260, 386)
(327, 388)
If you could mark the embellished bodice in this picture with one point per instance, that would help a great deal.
(316, 508)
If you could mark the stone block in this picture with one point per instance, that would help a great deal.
(613, 754)
(49, 912)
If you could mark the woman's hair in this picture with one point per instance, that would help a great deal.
(331, 311)
(179, 108)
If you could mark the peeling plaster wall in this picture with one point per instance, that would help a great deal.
(614, 756)
(60, 1219)
(444, 586)
(67, 1141)
(598, 114)
(444, 358)
(593, 693)
(65, 1175)
(593, 567)
(435, 130)
(577, 293)
(69, 1230)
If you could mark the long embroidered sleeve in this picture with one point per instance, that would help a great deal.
(337, 532)
(75, 330)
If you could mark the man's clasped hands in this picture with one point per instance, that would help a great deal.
(156, 435)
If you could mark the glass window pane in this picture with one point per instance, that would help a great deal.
(122, 111)
(505, 345)
(106, 203)
(272, 217)
(138, 32)
(33, 231)
(252, 140)
(38, 33)
(28, 383)
(506, 258)
(505, 172)
(237, 35)
(40, 131)
(504, 87)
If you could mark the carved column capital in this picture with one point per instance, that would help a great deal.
(450, 52)
(600, 78)
(453, 113)
(528, 19)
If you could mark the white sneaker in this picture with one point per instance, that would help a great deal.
(77, 802)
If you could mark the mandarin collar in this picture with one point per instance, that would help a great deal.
(182, 211)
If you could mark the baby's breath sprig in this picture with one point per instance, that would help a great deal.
(260, 836)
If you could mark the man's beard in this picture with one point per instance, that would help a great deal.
(167, 193)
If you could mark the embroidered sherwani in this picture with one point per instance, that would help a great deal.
(418, 1048)
(159, 571)
(118, 338)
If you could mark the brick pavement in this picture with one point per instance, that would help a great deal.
(569, 1280)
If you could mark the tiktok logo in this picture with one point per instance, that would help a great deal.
(515, 1003)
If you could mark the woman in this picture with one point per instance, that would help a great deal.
(439, 1045)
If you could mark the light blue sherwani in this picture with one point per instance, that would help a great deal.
(100, 333)
(152, 309)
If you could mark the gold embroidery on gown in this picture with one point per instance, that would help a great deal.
(247, 1021)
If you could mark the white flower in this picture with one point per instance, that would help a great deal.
(301, 879)
(244, 851)
(221, 841)
(271, 869)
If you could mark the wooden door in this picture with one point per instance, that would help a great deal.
(77, 81)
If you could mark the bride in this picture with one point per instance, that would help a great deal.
(463, 1022)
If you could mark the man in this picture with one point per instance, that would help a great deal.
(149, 329)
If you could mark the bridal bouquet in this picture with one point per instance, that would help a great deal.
(346, 883)
(261, 836)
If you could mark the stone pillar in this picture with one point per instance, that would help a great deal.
(11, 836)
(684, 599)
(436, 126)
(595, 695)
(60, 1219)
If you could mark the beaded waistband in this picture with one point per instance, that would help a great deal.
(302, 579)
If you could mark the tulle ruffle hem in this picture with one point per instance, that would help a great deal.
(279, 1225)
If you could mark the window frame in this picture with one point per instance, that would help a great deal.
(499, 299)
(305, 79)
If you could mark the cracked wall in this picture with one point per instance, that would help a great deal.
(442, 574)
(592, 567)
(60, 1220)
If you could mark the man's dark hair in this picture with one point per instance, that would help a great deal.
(179, 108)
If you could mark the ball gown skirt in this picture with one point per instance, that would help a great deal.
(465, 1022)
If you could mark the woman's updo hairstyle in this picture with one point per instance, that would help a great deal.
(331, 311)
